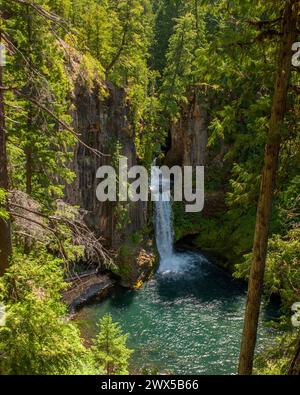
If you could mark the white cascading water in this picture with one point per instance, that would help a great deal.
(163, 220)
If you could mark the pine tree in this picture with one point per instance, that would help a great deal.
(166, 12)
(37, 71)
(37, 337)
(180, 58)
(5, 225)
(109, 348)
(269, 172)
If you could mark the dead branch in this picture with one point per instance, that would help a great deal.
(268, 34)
(54, 232)
(8, 88)
(15, 49)
(81, 234)
(29, 236)
(261, 37)
(61, 123)
(261, 24)
(47, 15)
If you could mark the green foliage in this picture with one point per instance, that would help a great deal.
(282, 276)
(233, 73)
(165, 13)
(37, 337)
(38, 144)
(109, 348)
(121, 209)
(276, 360)
(3, 212)
(150, 124)
(178, 71)
(118, 34)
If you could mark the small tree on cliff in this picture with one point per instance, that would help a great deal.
(109, 347)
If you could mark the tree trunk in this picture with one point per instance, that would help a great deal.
(198, 39)
(271, 157)
(29, 172)
(294, 369)
(5, 233)
(28, 154)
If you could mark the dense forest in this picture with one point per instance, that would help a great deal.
(194, 82)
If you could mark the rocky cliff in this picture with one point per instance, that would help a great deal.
(189, 135)
(189, 147)
(101, 116)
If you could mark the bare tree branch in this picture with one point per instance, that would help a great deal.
(50, 16)
(81, 233)
(54, 232)
(61, 123)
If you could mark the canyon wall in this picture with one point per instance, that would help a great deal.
(189, 135)
(189, 147)
(101, 116)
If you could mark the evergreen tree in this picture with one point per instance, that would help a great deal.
(39, 145)
(109, 348)
(5, 226)
(180, 58)
(271, 158)
(37, 337)
(166, 12)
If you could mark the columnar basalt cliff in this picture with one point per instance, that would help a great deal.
(189, 135)
(101, 116)
(189, 147)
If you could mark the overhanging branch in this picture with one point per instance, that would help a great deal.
(60, 122)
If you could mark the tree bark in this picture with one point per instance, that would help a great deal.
(28, 155)
(28, 148)
(271, 156)
(5, 232)
(294, 369)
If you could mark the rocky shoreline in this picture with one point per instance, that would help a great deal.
(87, 288)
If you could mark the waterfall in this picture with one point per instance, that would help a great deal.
(170, 261)
(164, 226)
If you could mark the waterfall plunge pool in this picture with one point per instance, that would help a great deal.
(184, 322)
(188, 319)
